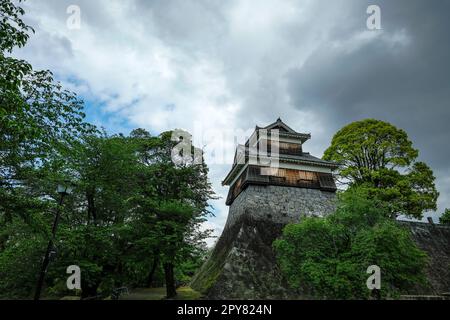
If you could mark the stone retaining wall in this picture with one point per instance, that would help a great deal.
(281, 204)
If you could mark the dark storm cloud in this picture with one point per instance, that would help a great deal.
(314, 63)
(401, 75)
(185, 23)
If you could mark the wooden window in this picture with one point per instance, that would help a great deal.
(285, 147)
(290, 148)
(307, 175)
(268, 171)
(327, 181)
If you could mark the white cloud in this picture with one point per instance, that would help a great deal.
(220, 65)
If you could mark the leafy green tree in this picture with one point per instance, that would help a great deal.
(13, 31)
(99, 212)
(38, 122)
(41, 125)
(129, 187)
(328, 257)
(94, 250)
(445, 217)
(173, 203)
(133, 214)
(20, 259)
(104, 169)
(380, 157)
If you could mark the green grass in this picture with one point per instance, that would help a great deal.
(183, 293)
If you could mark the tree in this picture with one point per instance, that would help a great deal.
(445, 217)
(328, 257)
(13, 31)
(380, 157)
(132, 209)
(20, 259)
(38, 122)
(99, 214)
(173, 203)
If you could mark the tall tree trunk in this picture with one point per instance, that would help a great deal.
(152, 271)
(4, 238)
(170, 280)
(92, 213)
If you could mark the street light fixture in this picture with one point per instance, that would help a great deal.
(63, 189)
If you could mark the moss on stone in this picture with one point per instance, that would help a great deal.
(210, 270)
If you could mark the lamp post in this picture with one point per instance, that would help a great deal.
(63, 190)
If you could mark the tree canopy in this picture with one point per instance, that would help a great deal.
(134, 216)
(327, 258)
(445, 217)
(377, 155)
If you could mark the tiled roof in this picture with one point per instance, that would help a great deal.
(309, 158)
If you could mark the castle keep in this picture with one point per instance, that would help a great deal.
(274, 176)
(272, 182)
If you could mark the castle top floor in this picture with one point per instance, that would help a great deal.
(279, 143)
(287, 139)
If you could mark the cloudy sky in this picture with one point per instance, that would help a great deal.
(221, 67)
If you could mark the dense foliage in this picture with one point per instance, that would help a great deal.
(134, 216)
(380, 157)
(445, 217)
(328, 257)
